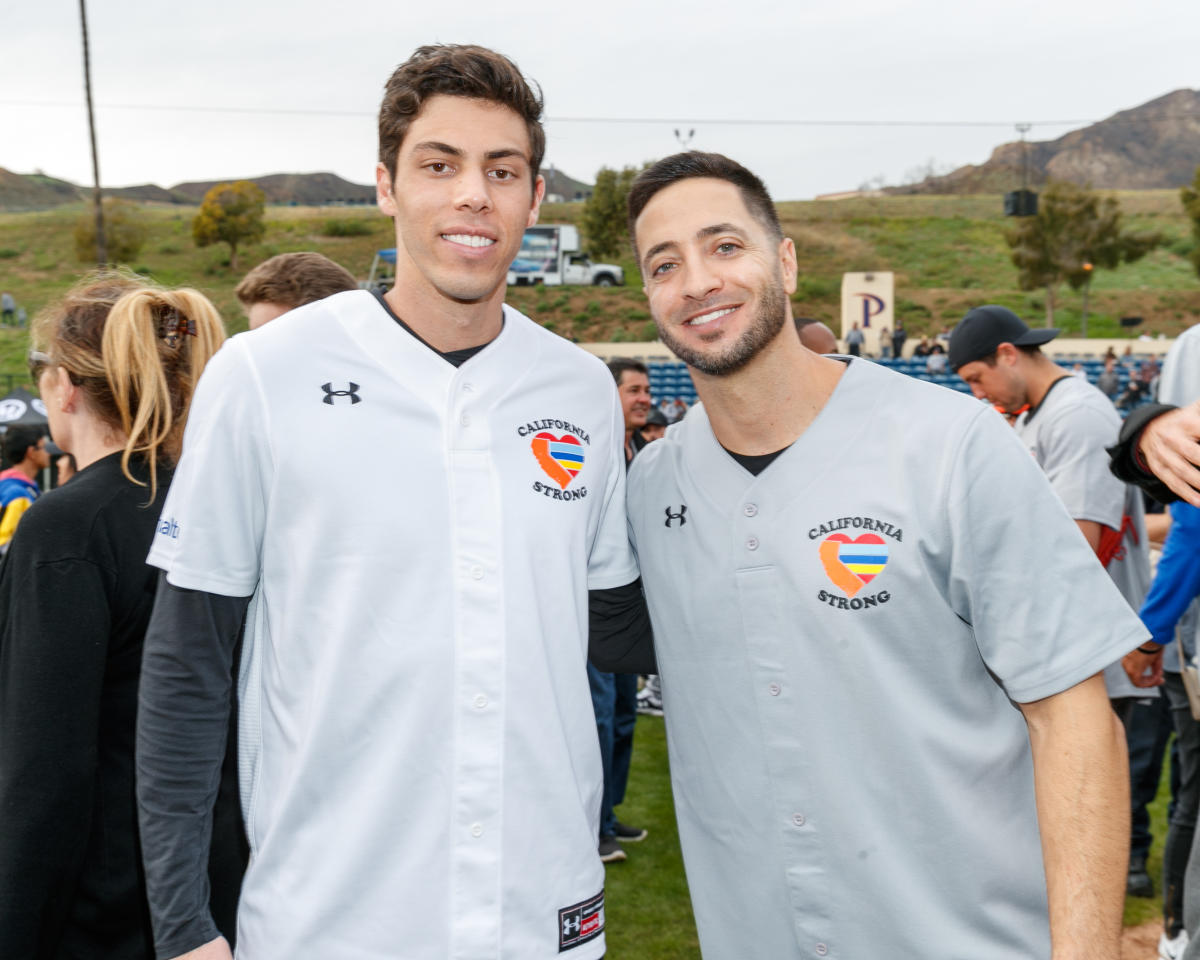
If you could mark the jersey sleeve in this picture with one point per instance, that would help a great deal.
(209, 536)
(1044, 612)
(1075, 460)
(610, 562)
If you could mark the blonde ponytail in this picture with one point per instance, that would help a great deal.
(136, 351)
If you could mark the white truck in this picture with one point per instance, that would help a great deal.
(550, 255)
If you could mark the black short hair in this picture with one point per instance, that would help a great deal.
(618, 367)
(693, 164)
(18, 440)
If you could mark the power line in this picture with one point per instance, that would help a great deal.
(709, 121)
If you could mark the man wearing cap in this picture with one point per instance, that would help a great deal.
(1066, 423)
(1066, 426)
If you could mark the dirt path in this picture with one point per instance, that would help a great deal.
(1141, 943)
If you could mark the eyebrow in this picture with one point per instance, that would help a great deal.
(436, 146)
(700, 235)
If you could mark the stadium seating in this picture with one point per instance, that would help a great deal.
(671, 379)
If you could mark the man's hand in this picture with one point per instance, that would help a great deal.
(213, 950)
(1170, 446)
(1144, 669)
(1081, 778)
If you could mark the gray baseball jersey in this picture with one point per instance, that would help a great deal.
(420, 770)
(841, 640)
(1067, 435)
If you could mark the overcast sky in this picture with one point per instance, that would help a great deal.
(321, 65)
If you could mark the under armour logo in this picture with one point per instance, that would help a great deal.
(676, 516)
(330, 393)
(570, 925)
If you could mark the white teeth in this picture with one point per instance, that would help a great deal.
(468, 239)
(709, 317)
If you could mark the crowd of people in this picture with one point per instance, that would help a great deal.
(253, 700)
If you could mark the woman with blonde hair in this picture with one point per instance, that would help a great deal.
(116, 362)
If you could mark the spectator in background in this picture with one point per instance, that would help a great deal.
(885, 344)
(935, 362)
(1110, 354)
(1135, 394)
(655, 426)
(115, 363)
(1078, 371)
(923, 348)
(65, 468)
(287, 281)
(854, 341)
(1109, 382)
(816, 336)
(25, 449)
(8, 307)
(899, 336)
(22, 317)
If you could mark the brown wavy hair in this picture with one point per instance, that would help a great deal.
(457, 70)
(135, 350)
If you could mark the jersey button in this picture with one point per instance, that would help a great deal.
(465, 419)
(774, 689)
(468, 388)
(798, 819)
(480, 702)
(477, 572)
(477, 829)
(752, 543)
(821, 949)
(750, 509)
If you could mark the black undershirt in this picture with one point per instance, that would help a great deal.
(755, 463)
(456, 358)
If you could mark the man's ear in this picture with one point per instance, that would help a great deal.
(384, 198)
(787, 264)
(1007, 354)
(539, 191)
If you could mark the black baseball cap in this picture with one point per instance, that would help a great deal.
(656, 418)
(983, 329)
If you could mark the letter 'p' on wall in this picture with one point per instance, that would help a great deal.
(868, 299)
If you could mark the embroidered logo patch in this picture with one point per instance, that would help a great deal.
(852, 564)
(560, 457)
(852, 561)
(581, 922)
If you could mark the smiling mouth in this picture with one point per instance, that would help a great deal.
(706, 318)
(468, 239)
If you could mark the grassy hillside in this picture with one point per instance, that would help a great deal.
(948, 254)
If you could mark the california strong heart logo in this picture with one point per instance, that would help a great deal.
(852, 564)
(560, 457)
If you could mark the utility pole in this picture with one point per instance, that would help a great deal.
(101, 249)
(1022, 129)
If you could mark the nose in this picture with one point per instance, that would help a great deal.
(474, 193)
(700, 280)
(977, 392)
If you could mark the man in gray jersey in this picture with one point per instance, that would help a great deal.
(1066, 424)
(887, 733)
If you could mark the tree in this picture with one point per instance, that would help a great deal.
(1075, 231)
(603, 220)
(124, 233)
(1191, 206)
(231, 213)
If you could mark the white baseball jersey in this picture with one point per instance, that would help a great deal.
(841, 640)
(1067, 435)
(1179, 382)
(420, 771)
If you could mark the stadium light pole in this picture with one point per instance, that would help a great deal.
(101, 250)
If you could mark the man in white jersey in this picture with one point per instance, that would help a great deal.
(419, 765)
(1066, 424)
(887, 733)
